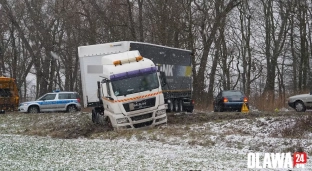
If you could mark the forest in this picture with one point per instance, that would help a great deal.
(261, 47)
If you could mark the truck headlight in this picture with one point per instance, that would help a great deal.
(160, 112)
(122, 120)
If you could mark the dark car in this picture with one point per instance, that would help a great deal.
(229, 100)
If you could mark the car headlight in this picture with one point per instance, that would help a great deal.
(24, 104)
(122, 120)
(160, 112)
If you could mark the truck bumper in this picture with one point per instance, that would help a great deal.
(141, 120)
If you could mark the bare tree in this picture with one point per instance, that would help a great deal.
(274, 43)
(208, 32)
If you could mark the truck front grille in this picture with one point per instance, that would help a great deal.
(146, 103)
(139, 125)
(141, 117)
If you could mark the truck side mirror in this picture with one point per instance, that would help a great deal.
(163, 78)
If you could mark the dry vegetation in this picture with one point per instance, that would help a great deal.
(296, 128)
(64, 125)
(291, 130)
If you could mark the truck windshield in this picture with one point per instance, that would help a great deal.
(135, 84)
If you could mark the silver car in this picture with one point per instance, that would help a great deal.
(301, 102)
(63, 101)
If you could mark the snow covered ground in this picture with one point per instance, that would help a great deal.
(225, 145)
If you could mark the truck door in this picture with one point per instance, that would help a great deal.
(107, 95)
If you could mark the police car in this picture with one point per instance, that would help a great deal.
(63, 101)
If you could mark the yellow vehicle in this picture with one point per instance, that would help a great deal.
(9, 98)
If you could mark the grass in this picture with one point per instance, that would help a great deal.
(296, 128)
(192, 129)
(210, 132)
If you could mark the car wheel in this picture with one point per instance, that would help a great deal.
(190, 110)
(33, 109)
(219, 108)
(299, 106)
(71, 109)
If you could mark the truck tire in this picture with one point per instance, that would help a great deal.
(108, 124)
(181, 105)
(176, 105)
(97, 120)
(170, 105)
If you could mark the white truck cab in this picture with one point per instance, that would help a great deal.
(127, 87)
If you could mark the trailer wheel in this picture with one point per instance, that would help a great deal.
(170, 106)
(176, 105)
(181, 105)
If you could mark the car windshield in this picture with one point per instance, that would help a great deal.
(135, 84)
(232, 93)
(5, 92)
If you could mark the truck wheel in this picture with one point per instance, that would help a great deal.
(108, 124)
(170, 106)
(181, 105)
(33, 109)
(97, 120)
(176, 105)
